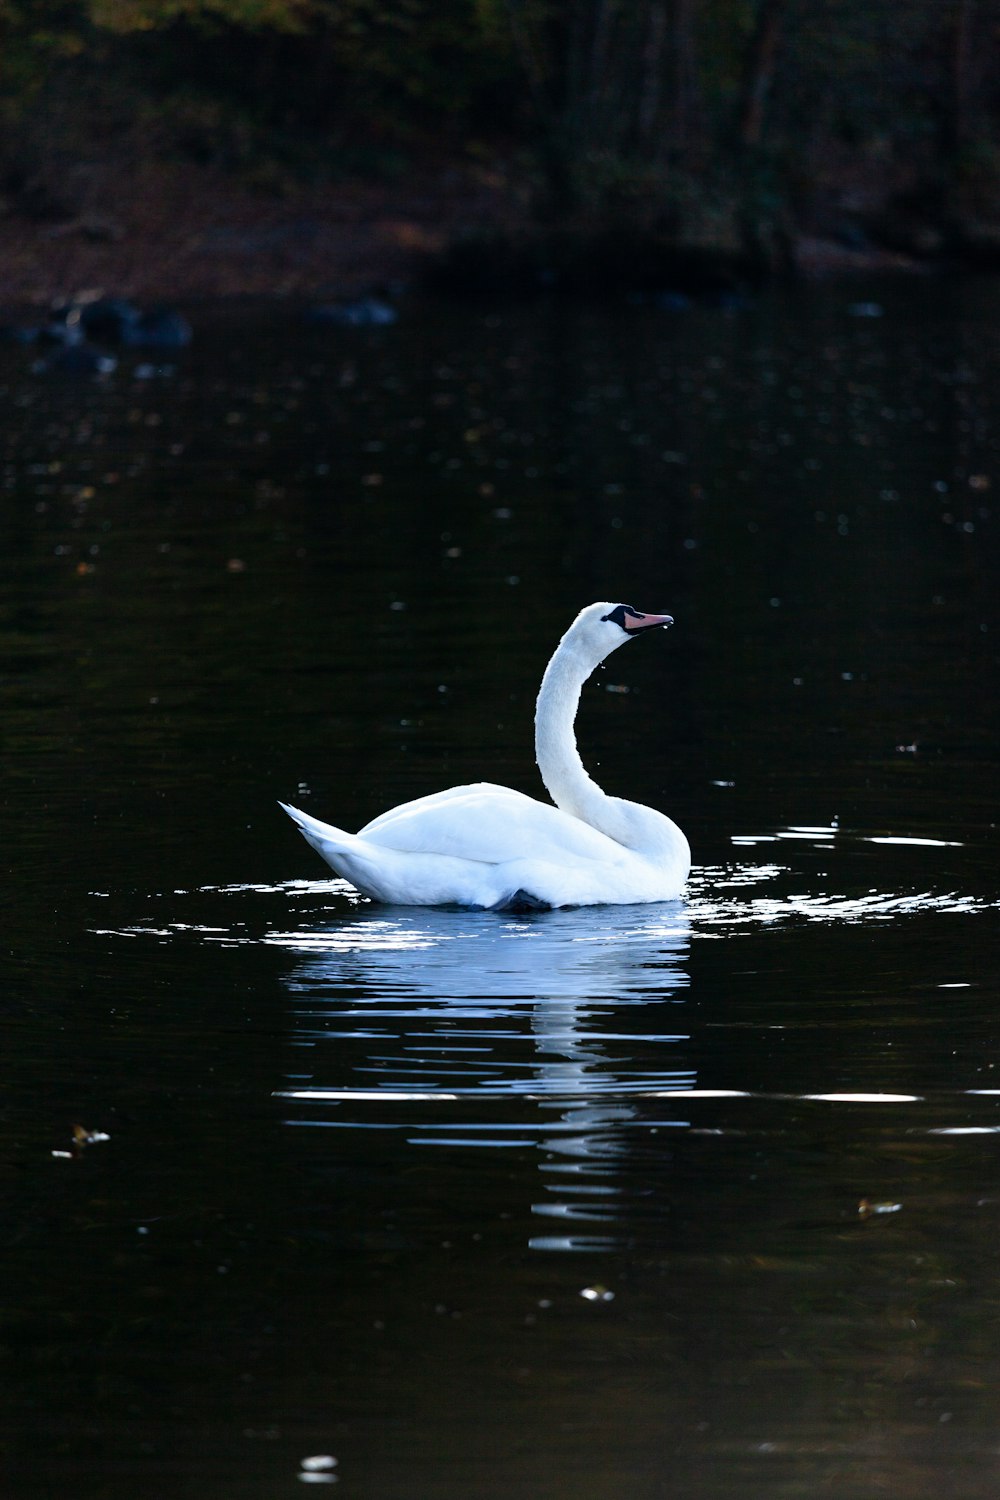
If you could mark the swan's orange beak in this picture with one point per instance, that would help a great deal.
(634, 623)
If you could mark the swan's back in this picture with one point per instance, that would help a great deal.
(490, 824)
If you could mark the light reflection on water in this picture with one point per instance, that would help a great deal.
(482, 1031)
(499, 1033)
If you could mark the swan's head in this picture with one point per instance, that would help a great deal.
(602, 628)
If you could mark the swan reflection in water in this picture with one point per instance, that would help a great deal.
(484, 1030)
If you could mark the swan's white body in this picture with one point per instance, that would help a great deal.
(489, 846)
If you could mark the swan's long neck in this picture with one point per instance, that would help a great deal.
(556, 751)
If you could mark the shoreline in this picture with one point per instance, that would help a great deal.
(169, 233)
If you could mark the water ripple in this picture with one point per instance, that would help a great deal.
(569, 1035)
(719, 900)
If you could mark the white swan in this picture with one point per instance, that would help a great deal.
(489, 846)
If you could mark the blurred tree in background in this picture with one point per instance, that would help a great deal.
(714, 121)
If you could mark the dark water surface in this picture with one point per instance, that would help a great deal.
(689, 1200)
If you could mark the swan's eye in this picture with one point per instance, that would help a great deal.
(620, 611)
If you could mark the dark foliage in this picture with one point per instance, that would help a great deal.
(713, 123)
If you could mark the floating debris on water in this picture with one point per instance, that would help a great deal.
(319, 1469)
(866, 1208)
(82, 1138)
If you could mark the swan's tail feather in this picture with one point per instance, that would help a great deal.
(385, 874)
(324, 837)
(397, 876)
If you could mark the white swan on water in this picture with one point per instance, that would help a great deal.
(489, 846)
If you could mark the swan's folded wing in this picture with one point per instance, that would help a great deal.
(492, 824)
